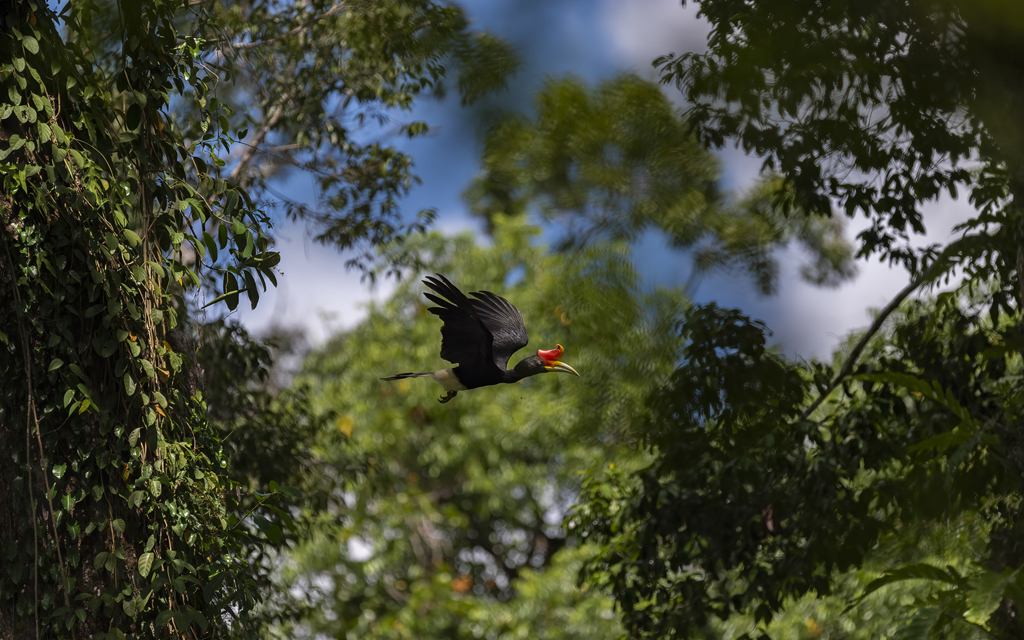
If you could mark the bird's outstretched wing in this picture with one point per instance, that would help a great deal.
(464, 338)
(486, 330)
(505, 323)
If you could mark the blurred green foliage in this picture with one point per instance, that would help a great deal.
(877, 107)
(615, 160)
(455, 528)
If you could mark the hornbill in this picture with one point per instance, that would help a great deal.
(480, 335)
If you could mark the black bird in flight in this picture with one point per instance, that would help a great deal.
(480, 335)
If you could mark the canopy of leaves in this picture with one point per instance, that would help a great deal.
(769, 479)
(749, 502)
(615, 160)
(318, 93)
(877, 106)
(320, 90)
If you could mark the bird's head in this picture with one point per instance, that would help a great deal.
(545, 361)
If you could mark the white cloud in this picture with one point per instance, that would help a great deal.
(641, 30)
(315, 292)
(810, 321)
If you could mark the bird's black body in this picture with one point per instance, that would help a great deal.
(479, 335)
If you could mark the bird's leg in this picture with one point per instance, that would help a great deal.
(447, 397)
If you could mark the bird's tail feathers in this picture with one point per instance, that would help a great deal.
(401, 376)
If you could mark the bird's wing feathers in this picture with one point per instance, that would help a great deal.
(486, 329)
(505, 323)
(464, 338)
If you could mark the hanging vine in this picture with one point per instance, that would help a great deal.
(117, 522)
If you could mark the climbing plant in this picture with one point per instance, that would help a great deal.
(116, 521)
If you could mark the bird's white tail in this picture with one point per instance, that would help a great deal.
(400, 376)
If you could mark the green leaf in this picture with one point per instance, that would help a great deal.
(916, 571)
(269, 529)
(213, 585)
(118, 525)
(986, 592)
(229, 211)
(251, 290)
(231, 290)
(211, 246)
(70, 393)
(145, 564)
(292, 491)
(134, 116)
(59, 469)
(132, 237)
(108, 348)
(249, 245)
(920, 624)
(163, 618)
(200, 619)
(56, 364)
(135, 499)
(31, 44)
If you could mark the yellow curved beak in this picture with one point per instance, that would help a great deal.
(555, 365)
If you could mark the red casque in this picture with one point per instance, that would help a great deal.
(551, 354)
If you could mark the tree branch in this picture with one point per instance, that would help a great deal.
(253, 148)
(296, 31)
(851, 360)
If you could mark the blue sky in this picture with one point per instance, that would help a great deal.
(591, 39)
